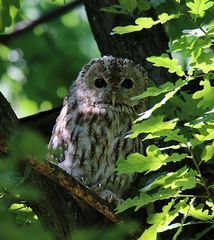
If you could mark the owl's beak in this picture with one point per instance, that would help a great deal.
(113, 99)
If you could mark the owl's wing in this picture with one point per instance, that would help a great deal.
(58, 142)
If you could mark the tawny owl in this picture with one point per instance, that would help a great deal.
(91, 129)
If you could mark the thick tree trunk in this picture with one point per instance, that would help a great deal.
(8, 122)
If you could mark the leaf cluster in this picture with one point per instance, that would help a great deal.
(15, 192)
(182, 124)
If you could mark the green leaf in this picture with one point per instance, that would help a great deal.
(164, 17)
(153, 124)
(208, 152)
(205, 95)
(154, 160)
(185, 106)
(127, 29)
(183, 43)
(143, 199)
(206, 133)
(198, 7)
(168, 96)
(198, 212)
(155, 91)
(143, 5)
(206, 63)
(128, 5)
(144, 23)
(150, 233)
(140, 24)
(166, 62)
(5, 17)
(159, 221)
(169, 136)
(183, 179)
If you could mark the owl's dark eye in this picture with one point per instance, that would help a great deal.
(127, 83)
(100, 83)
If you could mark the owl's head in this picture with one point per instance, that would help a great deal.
(111, 81)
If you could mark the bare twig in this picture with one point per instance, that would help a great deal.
(71, 185)
(23, 27)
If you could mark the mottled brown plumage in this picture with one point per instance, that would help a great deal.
(97, 114)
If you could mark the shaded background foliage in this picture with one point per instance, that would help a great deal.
(38, 67)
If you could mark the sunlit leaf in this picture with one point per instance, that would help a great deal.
(183, 178)
(150, 233)
(199, 7)
(206, 133)
(168, 135)
(160, 221)
(197, 212)
(205, 95)
(127, 29)
(144, 23)
(208, 152)
(164, 17)
(151, 125)
(144, 199)
(167, 97)
(140, 24)
(155, 91)
(154, 160)
(166, 62)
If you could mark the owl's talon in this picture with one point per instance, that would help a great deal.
(110, 197)
(96, 187)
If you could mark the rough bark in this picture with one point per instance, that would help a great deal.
(8, 121)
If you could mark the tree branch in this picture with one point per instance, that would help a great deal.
(42, 121)
(71, 185)
(24, 27)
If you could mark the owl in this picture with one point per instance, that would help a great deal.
(90, 132)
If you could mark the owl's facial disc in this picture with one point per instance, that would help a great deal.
(112, 81)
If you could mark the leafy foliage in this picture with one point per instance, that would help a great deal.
(15, 214)
(183, 123)
(145, 22)
(26, 72)
(199, 7)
